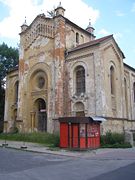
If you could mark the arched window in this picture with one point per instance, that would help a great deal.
(126, 98)
(112, 80)
(134, 91)
(16, 91)
(82, 39)
(80, 79)
(77, 38)
(79, 109)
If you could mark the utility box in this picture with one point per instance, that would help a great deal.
(80, 132)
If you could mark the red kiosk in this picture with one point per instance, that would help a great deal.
(80, 132)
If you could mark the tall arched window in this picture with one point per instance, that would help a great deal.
(16, 91)
(134, 91)
(112, 80)
(77, 38)
(80, 79)
(126, 98)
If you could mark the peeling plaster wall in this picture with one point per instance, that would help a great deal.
(59, 58)
(40, 54)
(87, 60)
(36, 55)
(117, 125)
(110, 57)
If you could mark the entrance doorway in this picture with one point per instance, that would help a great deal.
(41, 115)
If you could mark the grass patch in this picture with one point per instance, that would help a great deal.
(47, 139)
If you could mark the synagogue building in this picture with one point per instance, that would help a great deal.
(65, 71)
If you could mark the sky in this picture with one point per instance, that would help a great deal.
(115, 17)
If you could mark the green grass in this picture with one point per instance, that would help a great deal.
(50, 140)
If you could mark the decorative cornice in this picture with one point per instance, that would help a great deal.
(80, 57)
(82, 97)
(40, 92)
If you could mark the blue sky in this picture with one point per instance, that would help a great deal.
(115, 17)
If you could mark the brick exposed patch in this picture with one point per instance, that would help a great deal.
(21, 66)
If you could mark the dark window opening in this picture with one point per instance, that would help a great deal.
(16, 91)
(77, 38)
(80, 80)
(112, 80)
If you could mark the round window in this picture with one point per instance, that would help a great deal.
(41, 82)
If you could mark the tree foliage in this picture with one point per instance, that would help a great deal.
(8, 59)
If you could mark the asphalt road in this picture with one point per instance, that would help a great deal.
(21, 165)
(124, 173)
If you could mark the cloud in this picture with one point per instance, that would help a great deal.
(10, 25)
(103, 32)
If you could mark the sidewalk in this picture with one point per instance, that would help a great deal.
(38, 148)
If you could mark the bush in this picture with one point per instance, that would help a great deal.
(114, 140)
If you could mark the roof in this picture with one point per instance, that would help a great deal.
(96, 42)
(79, 120)
(131, 68)
(90, 43)
(78, 27)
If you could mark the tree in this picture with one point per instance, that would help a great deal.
(51, 13)
(8, 59)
